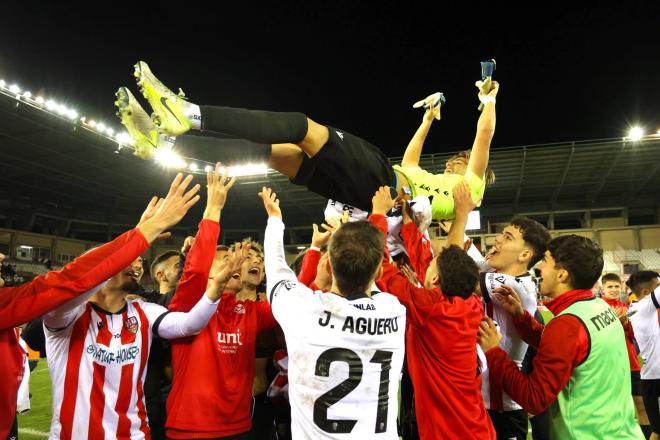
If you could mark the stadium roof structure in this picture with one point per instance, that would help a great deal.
(61, 177)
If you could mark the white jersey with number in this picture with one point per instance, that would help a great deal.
(494, 397)
(345, 354)
(645, 319)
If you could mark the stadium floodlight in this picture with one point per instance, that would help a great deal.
(110, 131)
(100, 127)
(27, 95)
(2, 83)
(193, 167)
(247, 170)
(635, 133)
(92, 123)
(40, 100)
(72, 114)
(208, 168)
(124, 138)
(51, 105)
(62, 110)
(14, 88)
(169, 158)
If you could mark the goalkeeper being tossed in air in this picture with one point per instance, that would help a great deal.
(327, 160)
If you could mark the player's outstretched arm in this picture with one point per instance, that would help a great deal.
(463, 204)
(485, 131)
(414, 149)
(199, 257)
(181, 324)
(277, 271)
(45, 293)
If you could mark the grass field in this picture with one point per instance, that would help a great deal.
(35, 424)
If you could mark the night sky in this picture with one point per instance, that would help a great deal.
(566, 73)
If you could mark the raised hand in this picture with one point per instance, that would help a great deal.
(217, 187)
(271, 203)
(509, 300)
(382, 202)
(463, 202)
(231, 265)
(321, 238)
(164, 213)
(187, 244)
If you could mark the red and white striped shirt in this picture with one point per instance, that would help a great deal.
(98, 365)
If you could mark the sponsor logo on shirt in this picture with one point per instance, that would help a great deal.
(131, 324)
(604, 319)
(230, 342)
(103, 355)
(240, 309)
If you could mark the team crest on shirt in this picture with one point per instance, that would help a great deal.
(131, 324)
(240, 309)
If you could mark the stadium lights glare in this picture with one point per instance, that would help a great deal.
(247, 170)
(165, 157)
(636, 133)
(169, 158)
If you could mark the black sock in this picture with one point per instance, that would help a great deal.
(255, 125)
(228, 151)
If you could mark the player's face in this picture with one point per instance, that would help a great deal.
(509, 249)
(549, 275)
(456, 166)
(252, 271)
(128, 279)
(138, 267)
(171, 270)
(612, 289)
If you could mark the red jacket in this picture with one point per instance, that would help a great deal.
(211, 392)
(630, 334)
(45, 293)
(441, 353)
(561, 346)
(418, 248)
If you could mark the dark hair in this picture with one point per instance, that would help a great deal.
(160, 260)
(355, 252)
(581, 257)
(221, 248)
(642, 277)
(459, 273)
(534, 234)
(610, 277)
(489, 176)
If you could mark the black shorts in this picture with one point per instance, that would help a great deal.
(347, 169)
(636, 383)
(509, 424)
(651, 395)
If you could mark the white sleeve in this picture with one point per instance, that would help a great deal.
(525, 288)
(285, 294)
(277, 271)
(172, 325)
(67, 313)
(647, 306)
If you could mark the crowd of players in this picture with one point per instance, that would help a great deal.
(236, 344)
